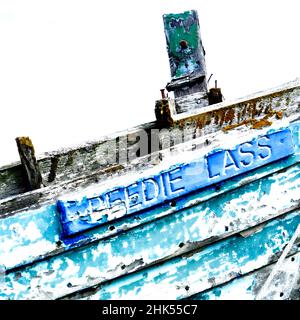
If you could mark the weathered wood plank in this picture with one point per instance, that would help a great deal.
(278, 267)
(137, 193)
(213, 265)
(257, 110)
(166, 157)
(29, 164)
(46, 219)
(57, 246)
(19, 248)
(285, 286)
(151, 243)
(74, 163)
(186, 54)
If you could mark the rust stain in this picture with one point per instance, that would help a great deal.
(216, 117)
(245, 113)
(229, 116)
(261, 123)
(279, 115)
(255, 124)
(208, 119)
(200, 122)
(222, 116)
(233, 126)
(26, 141)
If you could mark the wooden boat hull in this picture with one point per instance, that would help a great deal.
(216, 240)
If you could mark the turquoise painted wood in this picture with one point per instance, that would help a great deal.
(186, 57)
(81, 268)
(36, 234)
(181, 277)
(178, 180)
(208, 223)
(247, 287)
(172, 235)
(40, 262)
(184, 44)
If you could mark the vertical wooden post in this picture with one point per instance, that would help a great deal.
(186, 54)
(29, 163)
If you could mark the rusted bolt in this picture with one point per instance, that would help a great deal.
(173, 203)
(163, 96)
(183, 44)
(217, 187)
(58, 243)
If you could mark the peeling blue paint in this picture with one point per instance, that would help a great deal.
(32, 236)
(47, 222)
(236, 254)
(216, 166)
(153, 241)
(241, 288)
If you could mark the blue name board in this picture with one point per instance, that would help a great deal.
(178, 180)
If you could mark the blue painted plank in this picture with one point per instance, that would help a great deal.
(163, 238)
(18, 246)
(247, 287)
(35, 234)
(178, 180)
(184, 276)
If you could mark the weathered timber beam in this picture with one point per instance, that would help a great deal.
(29, 163)
(73, 163)
(105, 261)
(37, 198)
(286, 285)
(265, 288)
(46, 224)
(186, 56)
(257, 110)
(186, 275)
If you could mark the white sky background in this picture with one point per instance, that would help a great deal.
(72, 71)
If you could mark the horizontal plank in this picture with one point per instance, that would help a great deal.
(119, 198)
(213, 265)
(35, 234)
(19, 247)
(74, 163)
(286, 285)
(69, 163)
(154, 242)
(162, 159)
